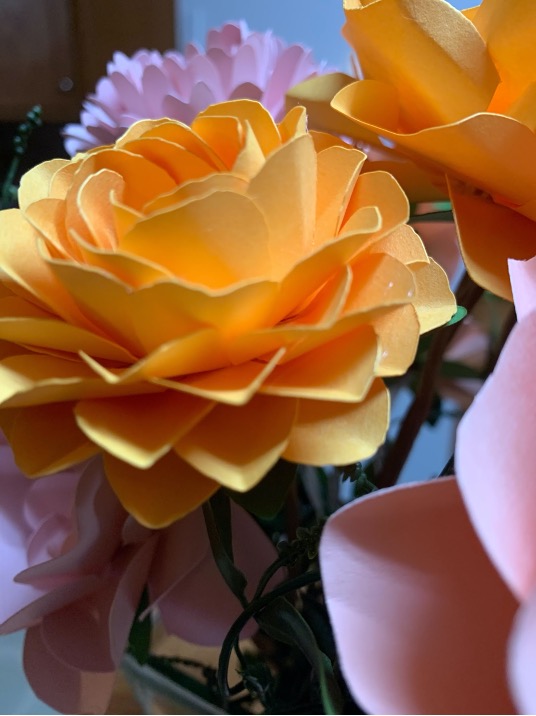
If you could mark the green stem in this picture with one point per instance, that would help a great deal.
(255, 606)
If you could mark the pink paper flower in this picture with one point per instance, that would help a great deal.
(73, 568)
(431, 587)
(237, 63)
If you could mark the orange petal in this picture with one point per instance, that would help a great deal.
(339, 433)
(288, 206)
(398, 332)
(140, 429)
(45, 439)
(163, 493)
(213, 241)
(341, 370)
(35, 184)
(238, 445)
(434, 301)
(430, 52)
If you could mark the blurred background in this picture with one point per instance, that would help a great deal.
(52, 52)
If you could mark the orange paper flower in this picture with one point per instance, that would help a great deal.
(455, 92)
(196, 302)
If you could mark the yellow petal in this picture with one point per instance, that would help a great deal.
(23, 323)
(163, 493)
(140, 429)
(398, 332)
(235, 385)
(45, 439)
(341, 370)
(490, 234)
(255, 114)
(429, 51)
(434, 301)
(23, 263)
(339, 433)
(35, 183)
(288, 206)
(338, 169)
(238, 445)
(315, 94)
(293, 124)
(212, 241)
(181, 309)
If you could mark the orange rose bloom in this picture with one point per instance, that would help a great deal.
(196, 302)
(457, 93)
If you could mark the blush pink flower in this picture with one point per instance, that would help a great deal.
(236, 63)
(431, 587)
(73, 569)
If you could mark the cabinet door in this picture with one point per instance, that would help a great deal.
(37, 62)
(52, 52)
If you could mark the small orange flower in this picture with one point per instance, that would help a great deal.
(196, 302)
(456, 92)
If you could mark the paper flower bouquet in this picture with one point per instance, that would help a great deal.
(205, 314)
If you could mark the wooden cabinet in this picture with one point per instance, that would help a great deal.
(52, 52)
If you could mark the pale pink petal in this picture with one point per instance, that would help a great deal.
(65, 689)
(420, 616)
(495, 458)
(90, 634)
(523, 278)
(196, 604)
(522, 657)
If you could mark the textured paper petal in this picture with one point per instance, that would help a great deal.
(339, 433)
(81, 692)
(341, 370)
(61, 444)
(413, 546)
(434, 301)
(482, 229)
(223, 239)
(238, 445)
(521, 657)
(140, 429)
(161, 494)
(446, 72)
(496, 439)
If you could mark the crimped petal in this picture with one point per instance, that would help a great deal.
(341, 370)
(161, 494)
(238, 445)
(140, 429)
(431, 53)
(339, 433)
(413, 547)
(496, 439)
(489, 235)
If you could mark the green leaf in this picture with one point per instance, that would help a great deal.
(267, 498)
(139, 639)
(460, 314)
(283, 622)
(217, 513)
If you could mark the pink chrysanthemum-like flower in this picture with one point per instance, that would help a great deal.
(237, 63)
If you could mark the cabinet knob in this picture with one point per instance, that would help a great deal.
(65, 84)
